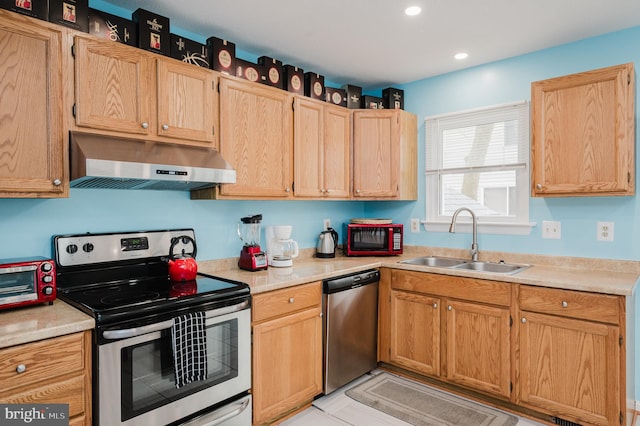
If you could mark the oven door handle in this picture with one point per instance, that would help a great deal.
(138, 331)
(216, 417)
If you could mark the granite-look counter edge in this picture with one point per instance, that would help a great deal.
(38, 322)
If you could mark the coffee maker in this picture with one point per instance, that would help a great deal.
(281, 249)
(252, 258)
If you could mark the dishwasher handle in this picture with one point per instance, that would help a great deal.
(348, 282)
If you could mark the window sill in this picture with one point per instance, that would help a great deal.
(483, 227)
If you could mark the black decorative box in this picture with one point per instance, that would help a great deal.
(222, 55)
(189, 51)
(371, 102)
(393, 98)
(111, 27)
(247, 70)
(293, 78)
(335, 96)
(153, 32)
(34, 8)
(271, 72)
(70, 13)
(354, 95)
(314, 85)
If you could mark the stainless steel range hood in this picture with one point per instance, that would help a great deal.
(99, 161)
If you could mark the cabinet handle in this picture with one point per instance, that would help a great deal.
(449, 307)
(291, 300)
(145, 125)
(523, 320)
(565, 304)
(435, 306)
(21, 368)
(538, 186)
(57, 182)
(165, 127)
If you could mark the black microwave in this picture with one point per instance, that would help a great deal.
(373, 239)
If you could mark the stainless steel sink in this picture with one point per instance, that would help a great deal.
(434, 261)
(454, 263)
(496, 268)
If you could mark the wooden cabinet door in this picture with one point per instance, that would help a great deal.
(376, 141)
(415, 332)
(114, 87)
(478, 349)
(321, 149)
(256, 137)
(287, 363)
(32, 145)
(583, 134)
(570, 368)
(187, 104)
(337, 151)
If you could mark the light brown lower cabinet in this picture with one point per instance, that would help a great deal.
(56, 370)
(287, 350)
(552, 353)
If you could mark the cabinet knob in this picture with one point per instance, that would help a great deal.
(357, 191)
(435, 306)
(538, 186)
(57, 182)
(291, 300)
(165, 127)
(523, 320)
(287, 190)
(21, 368)
(145, 125)
(449, 308)
(565, 304)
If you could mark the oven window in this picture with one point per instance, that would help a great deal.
(18, 283)
(148, 379)
(369, 239)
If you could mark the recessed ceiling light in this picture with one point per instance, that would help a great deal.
(413, 10)
(461, 55)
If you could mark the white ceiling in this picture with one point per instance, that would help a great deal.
(371, 43)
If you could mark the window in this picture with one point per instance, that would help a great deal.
(479, 159)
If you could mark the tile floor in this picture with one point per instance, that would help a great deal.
(337, 409)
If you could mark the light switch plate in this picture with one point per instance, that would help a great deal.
(551, 230)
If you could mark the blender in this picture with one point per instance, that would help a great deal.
(252, 258)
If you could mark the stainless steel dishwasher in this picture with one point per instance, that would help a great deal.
(350, 327)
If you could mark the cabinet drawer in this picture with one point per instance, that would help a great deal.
(70, 391)
(282, 302)
(569, 303)
(493, 292)
(42, 360)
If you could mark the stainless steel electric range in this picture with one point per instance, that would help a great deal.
(121, 279)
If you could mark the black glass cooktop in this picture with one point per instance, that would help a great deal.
(144, 296)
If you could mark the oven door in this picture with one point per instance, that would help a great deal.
(136, 382)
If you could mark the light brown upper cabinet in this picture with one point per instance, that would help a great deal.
(322, 159)
(129, 91)
(385, 155)
(33, 154)
(583, 134)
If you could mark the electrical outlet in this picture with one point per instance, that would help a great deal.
(327, 224)
(551, 230)
(415, 225)
(605, 231)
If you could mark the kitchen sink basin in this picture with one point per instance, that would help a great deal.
(496, 268)
(453, 263)
(441, 262)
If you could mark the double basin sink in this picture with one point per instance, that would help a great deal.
(461, 264)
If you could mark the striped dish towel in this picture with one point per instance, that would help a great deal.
(189, 337)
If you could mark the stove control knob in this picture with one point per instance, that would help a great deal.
(47, 279)
(46, 267)
(87, 247)
(47, 290)
(72, 248)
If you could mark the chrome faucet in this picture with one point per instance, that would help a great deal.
(474, 244)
